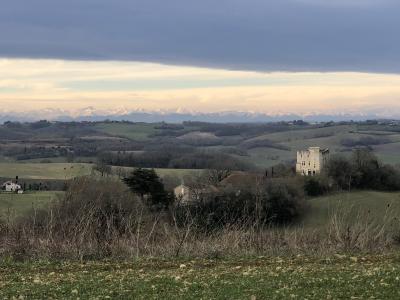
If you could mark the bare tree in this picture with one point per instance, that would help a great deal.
(102, 168)
(215, 176)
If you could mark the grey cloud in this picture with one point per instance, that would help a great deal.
(264, 35)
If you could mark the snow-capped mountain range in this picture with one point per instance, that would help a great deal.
(177, 116)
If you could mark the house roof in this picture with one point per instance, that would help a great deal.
(321, 150)
(208, 188)
(9, 182)
(241, 179)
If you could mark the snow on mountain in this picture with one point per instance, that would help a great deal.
(91, 113)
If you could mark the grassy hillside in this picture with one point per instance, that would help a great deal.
(325, 137)
(378, 206)
(261, 144)
(389, 153)
(14, 205)
(44, 170)
(69, 170)
(136, 131)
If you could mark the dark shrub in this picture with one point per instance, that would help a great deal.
(341, 171)
(316, 186)
(284, 201)
(280, 170)
(275, 202)
(145, 182)
(389, 178)
(364, 141)
(363, 171)
(209, 160)
(258, 143)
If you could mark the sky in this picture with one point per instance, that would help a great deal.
(264, 56)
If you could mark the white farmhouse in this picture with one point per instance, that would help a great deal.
(10, 186)
(311, 162)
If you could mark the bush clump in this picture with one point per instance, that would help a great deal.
(275, 202)
(317, 185)
(363, 171)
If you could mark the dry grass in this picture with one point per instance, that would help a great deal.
(162, 239)
(96, 221)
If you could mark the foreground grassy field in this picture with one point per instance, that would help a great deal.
(338, 277)
(14, 205)
(371, 205)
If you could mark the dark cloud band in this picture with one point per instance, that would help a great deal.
(264, 35)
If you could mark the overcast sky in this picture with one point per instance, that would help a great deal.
(267, 35)
(329, 36)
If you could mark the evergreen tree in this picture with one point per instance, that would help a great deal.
(145, 182)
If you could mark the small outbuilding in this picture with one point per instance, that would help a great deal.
(10, 186)
(183, 193)
(186, 194)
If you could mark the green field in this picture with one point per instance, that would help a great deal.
(389, 153)
(44, 170)
(15, 205)
(337, 277)
(69, 170)
(376, 206)
(179, 173)
(268, 157)
(137, 131)
(60, 159)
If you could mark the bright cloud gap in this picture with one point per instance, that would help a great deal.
(79, 88)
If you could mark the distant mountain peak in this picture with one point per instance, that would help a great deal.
(91, 113)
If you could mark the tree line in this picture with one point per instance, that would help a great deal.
(362, 170)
